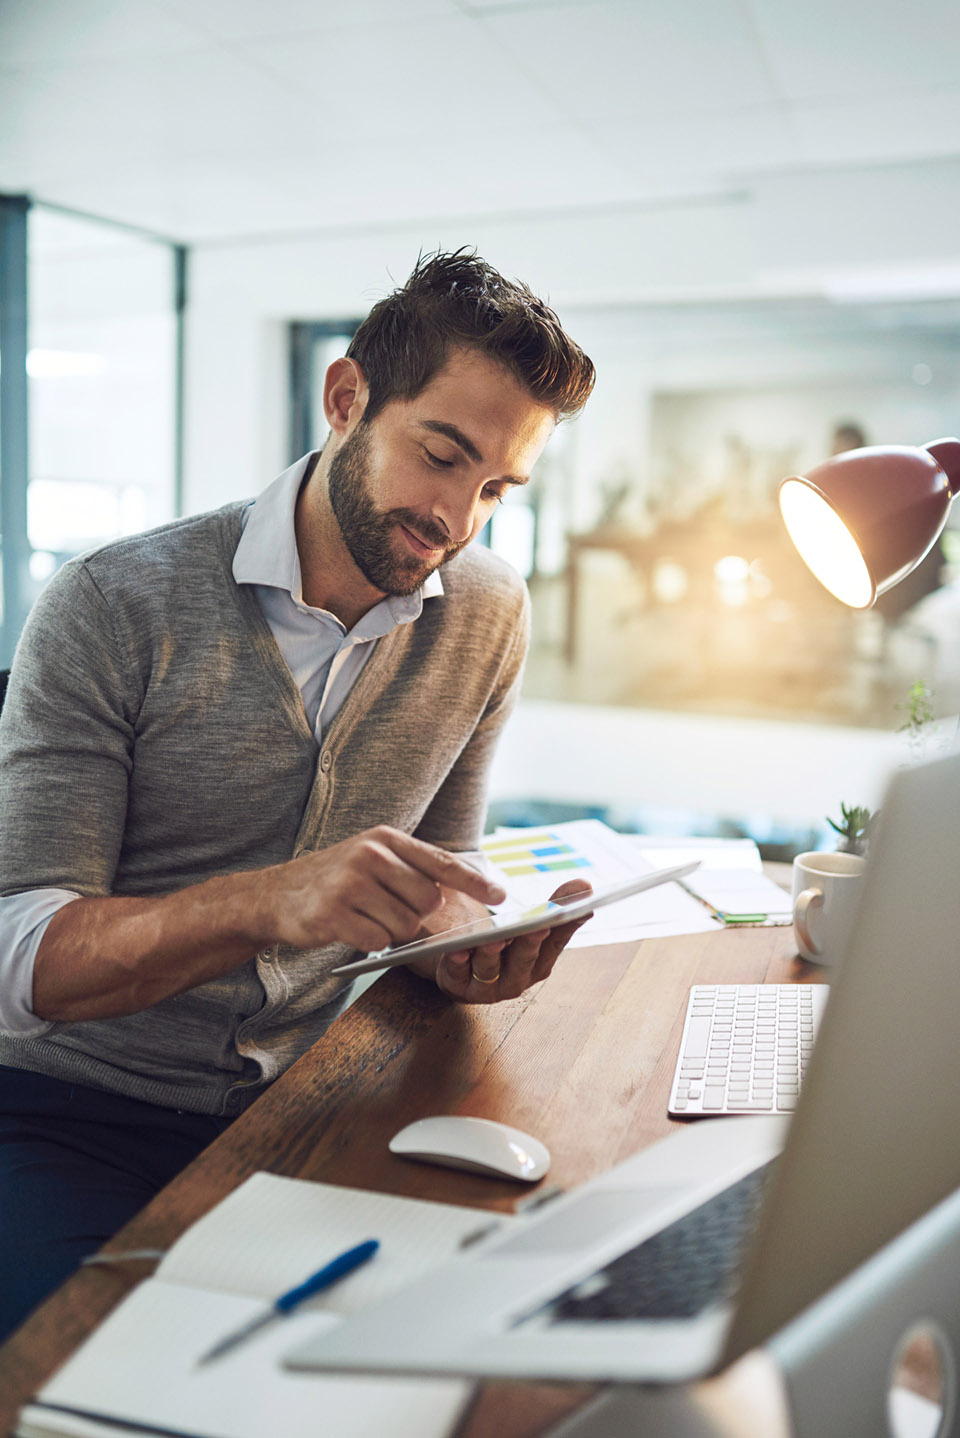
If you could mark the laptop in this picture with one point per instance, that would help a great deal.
(874, 1143)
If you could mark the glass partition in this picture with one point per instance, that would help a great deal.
(100, 416)
(102, 386)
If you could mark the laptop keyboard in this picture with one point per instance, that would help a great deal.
(745, 1048)
(677, 1272)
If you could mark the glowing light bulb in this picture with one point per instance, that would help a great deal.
(825, 544)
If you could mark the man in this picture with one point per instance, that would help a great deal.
(239, 748)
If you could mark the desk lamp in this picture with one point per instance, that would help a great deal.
(864, 519)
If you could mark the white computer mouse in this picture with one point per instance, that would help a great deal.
(476, 1144)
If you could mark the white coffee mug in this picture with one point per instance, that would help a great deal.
(826, 895)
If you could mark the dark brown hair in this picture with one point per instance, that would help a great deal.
(455, 301)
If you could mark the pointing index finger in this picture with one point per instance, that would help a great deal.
(446, 868)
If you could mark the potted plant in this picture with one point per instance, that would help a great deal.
(854, 828)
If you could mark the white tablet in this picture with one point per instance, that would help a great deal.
(497, 928)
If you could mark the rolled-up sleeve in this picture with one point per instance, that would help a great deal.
(23, 923)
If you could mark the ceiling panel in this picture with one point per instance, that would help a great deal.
(837, 48)
(411, 79)
(253, 19)
(903, 125)
(619, 58)
(485, 7)
(682, 148)
(71, 121)
(34, 32)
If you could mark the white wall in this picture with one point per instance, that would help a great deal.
(753, 770)
(809, 233)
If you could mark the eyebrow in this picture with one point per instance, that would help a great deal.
(451, 432)
(457, 437)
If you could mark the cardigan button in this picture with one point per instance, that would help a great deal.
(326, 761)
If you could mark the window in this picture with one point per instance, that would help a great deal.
(92, 439)
(314, 345)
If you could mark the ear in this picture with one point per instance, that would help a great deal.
(345, 395)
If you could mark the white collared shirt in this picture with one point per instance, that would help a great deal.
(323, 656)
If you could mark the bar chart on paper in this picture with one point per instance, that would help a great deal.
(531, 863)
(539, 853)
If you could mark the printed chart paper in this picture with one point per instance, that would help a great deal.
(531, 863)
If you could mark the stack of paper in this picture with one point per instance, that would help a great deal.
(739, 896)
(532, 862)
(730, 878)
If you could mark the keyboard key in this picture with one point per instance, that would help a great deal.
(698, 1033)
(675, 1273)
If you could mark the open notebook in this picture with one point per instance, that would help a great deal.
(136, 1373)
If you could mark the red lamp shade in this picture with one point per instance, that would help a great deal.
(864, 519)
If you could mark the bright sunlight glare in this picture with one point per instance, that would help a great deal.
(825, 544)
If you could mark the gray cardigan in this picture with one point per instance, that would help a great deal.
(153, 737)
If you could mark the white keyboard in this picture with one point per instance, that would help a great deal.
(745, 1048)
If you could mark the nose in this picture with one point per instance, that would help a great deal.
(456, 511)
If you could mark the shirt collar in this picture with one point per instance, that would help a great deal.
(267, 552)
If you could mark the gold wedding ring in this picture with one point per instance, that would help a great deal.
(475, 975)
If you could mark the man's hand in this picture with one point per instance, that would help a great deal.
(372, 891)
(497, 971)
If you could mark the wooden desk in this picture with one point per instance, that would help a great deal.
(584, 1062)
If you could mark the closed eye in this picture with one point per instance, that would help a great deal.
(437, 462)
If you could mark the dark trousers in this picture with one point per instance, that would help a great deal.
(75, 1165)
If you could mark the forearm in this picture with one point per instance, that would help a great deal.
(104, 957)
(101, 958)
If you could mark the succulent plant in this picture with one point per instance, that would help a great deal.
(854, 828)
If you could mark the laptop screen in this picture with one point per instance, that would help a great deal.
(875, 1141)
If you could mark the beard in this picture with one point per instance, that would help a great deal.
(370, 534)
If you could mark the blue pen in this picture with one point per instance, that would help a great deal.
(324, 1277)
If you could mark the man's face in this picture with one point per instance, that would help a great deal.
(411, 489)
